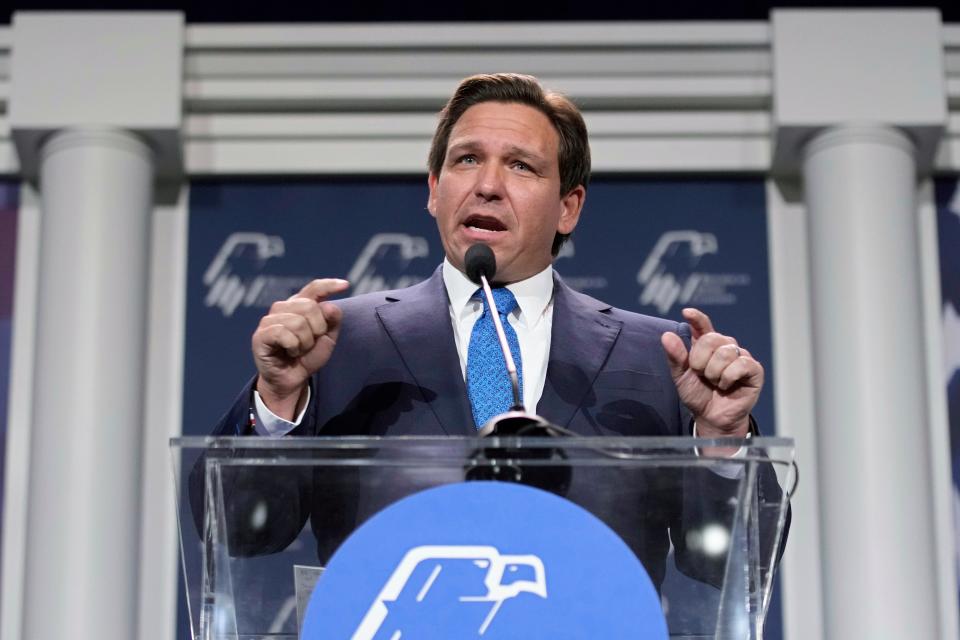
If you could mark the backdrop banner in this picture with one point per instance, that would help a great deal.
(651, 246)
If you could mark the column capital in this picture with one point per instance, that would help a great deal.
(857, 69)
(858, 134)
(98, 71)
(118, 139)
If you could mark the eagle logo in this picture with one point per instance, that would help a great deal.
(414, 589)
(668, 274)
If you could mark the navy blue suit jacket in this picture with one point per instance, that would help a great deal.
(395, 372)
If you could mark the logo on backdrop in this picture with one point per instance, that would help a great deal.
(484, 560)
(384, 262)
(670, 274)
(235, 278)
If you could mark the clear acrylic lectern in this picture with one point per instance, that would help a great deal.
(253, 512)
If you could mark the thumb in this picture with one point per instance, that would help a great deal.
(676, 353)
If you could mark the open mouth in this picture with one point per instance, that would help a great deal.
(484, 224)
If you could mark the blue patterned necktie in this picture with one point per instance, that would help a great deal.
(488, 384)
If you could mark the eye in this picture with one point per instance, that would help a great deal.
(467, 158)
(521, 165)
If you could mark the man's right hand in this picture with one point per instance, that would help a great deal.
(293, 341)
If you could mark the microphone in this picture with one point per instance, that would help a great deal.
(479, 262)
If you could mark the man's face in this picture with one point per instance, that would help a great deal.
(500, 185)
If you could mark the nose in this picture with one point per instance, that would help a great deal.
(489, 184)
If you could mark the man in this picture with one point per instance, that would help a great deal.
(509, 167)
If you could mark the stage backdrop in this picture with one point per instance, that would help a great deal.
(8, 241)
(652, 246)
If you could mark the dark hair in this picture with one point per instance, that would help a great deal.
(574, 151)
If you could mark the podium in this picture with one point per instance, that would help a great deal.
(259, 518)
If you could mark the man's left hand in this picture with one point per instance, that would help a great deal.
(718, 380)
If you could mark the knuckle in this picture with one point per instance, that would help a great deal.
(714, 339)
(298, 322)
(320, 328)
(266, 332)
(315, 318)
(293, 304)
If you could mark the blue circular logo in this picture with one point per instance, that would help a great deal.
(484, 560)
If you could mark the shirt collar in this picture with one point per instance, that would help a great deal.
(533, 294)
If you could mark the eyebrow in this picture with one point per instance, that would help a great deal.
(523, 153)
(461, 146)
(512, 150)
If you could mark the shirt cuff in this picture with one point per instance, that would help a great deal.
(268, 423)
(727, 470)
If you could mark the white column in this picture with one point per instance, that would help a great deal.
(881, 542)
(84, 512)
(95, 134)
(879, 566)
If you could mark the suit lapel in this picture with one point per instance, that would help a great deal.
(581, 340)
(418, 322)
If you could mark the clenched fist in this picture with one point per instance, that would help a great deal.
(293, 341)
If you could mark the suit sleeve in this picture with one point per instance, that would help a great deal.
(265, 506)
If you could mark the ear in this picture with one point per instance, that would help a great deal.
(432, 199)
(571, 206)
